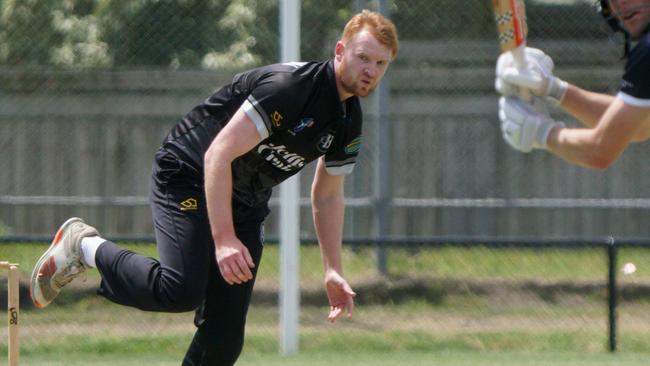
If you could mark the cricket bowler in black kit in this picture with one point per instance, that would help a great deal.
(211, 182)
(611, 123)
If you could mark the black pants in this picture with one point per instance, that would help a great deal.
(186, 278)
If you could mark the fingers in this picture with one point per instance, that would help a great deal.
(349, 306)
(515, 109)
(249, 259)
(524, 78)
(236, 268)
(335, 312)
(346, 306)
(234, 274)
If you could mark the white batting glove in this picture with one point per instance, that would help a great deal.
(523, 127)
(538, 77)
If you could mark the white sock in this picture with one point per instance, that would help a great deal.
(89, 246)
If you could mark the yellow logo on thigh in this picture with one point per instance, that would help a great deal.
(189, 204)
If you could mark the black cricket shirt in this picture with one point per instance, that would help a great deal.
(297, 112)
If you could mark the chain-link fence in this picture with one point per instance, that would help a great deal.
(89, 93)
(88, 89)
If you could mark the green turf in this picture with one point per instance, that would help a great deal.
(445, 358)
(475, 262)
(444, 324)
(362, 358)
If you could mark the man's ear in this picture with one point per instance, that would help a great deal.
(338, 50)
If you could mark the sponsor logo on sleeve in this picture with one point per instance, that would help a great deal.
(626, 84)
(304, 123)
(276, 118)
(354, 146)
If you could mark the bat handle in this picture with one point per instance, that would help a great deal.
(519, 58)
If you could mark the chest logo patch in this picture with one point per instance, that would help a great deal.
(325, 142)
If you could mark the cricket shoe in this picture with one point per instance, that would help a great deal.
(61, 262)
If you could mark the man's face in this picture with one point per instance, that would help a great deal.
(634, 15)
(360, 64)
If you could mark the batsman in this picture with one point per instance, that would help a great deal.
(611, 123)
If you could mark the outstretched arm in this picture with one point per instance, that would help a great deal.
(328, 207)
(600, 146)
(586, 106)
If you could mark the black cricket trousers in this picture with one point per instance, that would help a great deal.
(186, 277)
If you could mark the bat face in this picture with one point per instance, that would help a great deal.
(510, 16)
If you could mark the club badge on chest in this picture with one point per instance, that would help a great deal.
(325, 142)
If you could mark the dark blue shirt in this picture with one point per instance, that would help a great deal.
(635, 86)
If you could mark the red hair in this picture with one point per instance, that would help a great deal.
(378, 25)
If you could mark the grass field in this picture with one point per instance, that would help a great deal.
(377, 359)
(444, 306)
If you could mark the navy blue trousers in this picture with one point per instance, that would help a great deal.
(186, 277)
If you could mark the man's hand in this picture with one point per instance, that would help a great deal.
(523, 127)
(234, 261)
(538, 77)
(340, 295)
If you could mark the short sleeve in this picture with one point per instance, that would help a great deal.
(342, 159)
(635, 86)
(275, 102)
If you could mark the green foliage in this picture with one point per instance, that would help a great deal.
(234, 33)
(26, 31)
(168, 33)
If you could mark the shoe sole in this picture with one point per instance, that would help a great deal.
(45, 257)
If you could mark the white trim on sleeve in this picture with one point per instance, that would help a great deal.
(340, 170)
(249, 108)
(634, 101)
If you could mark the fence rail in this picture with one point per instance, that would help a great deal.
(84, 145)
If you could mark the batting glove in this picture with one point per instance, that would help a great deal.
(522, 126)
(538, 77)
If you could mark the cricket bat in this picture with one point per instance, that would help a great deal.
(512, 28)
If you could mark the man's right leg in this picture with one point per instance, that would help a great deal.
(61, 263)
(177, 282)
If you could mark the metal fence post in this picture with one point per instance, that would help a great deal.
(612, 251)
(290, 205)
(383, 181)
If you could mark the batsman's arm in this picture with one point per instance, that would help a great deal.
(586, 106)
(599, 147)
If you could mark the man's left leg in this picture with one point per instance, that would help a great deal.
(221, 319)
